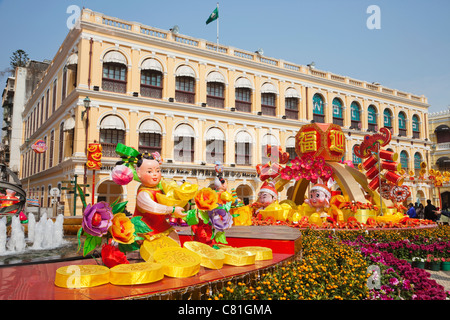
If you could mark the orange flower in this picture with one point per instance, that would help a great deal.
(122, 229)
(206, 199)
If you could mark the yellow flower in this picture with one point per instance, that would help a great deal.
(206, 199)
(122, 229)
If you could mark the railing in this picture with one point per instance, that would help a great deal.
(114, 85)
(443, 146)
(185, 97)
(215, 102)
(243, 106)
(117, 24)
(109, 150)
(291, 114)
(151, 91)
(268, 110)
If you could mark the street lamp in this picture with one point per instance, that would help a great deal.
(87, 106)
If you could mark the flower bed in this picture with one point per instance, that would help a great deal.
(335, 265)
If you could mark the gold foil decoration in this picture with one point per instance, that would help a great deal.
(178, 262)
(262, 253)
(81, 276)
(148, 248)
(210, 258)
(238, 257)
(136, 273)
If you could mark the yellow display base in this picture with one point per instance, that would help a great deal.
(262, 253)
(148, 248)
(136, 273)
(178, 262)
(238, 257)
(210, 258)
(81, 276)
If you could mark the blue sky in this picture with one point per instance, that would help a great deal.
(411, 51)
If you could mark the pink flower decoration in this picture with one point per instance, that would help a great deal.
(307, 162)
(286, 173)
(296, 163)
(122, 175)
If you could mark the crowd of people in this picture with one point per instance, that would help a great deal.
(429, 212)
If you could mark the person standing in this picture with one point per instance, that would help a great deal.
(411, 211)
(430, 211)
(420, 211)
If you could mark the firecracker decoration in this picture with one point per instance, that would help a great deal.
(94, 156)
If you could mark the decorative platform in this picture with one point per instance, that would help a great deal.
(281, 239)
(36, 282)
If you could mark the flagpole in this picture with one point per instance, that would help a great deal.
(217, 49)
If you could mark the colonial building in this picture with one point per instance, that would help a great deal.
(196, 103)
(440, 150)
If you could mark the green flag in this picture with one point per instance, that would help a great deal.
(213, 16)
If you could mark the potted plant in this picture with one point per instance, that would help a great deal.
(418, 262)
(445, 265)
(434, 263)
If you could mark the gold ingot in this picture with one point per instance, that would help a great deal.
(170, 201)
(81, 276)
(210, 258)
(362, 215)
(316, 219)
(186, 191)
(168, 185)
(238, 257)
(274, 210)
(148, 248)
(178, 262)
(262, 253)
(136, 273)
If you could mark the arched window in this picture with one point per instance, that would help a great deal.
(318, 108)
(185, 84)
(355, 111)
(387, 118)
(61, 143)
(243, 148)
(338, 115)
(114, 72)
(290, 148)
(372, 124)
(112, 132)
(151, 79)
(417, 162)
(356, 160)
(215, 90)
(267, 140)
(402, 124)
(150, 137)
(215, 145)
(416, 127)
(268, 99)
(184, 137)
(291, 101)
(243, 95)
(404, 160)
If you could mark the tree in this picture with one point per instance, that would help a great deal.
(19, 58)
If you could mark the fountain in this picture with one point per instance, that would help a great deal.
(44, 234)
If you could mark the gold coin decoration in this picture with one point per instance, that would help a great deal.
(238, 257)
(136, 273)
(81, 276)
(148, 248)
(262, 253)
(210, 258)
(178, 262)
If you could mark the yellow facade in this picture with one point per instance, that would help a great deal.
(103, 48)
(440, 152)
